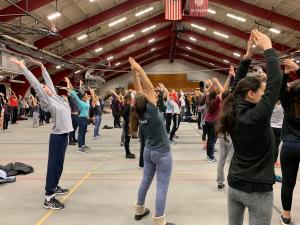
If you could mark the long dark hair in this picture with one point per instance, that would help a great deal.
(140, 106)
(210, 99)
(293, 110)
(227, 119)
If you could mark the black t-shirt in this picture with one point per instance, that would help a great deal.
(154, 129)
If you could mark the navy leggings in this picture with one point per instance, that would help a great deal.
(57, 149)
(161, 164)
(289, 159)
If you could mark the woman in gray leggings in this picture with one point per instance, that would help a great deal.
(246, 118)
(157, 155)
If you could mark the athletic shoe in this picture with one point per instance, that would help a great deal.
(278, 179)
(285, 221)
(130, 156)
(53, 204)
(176, 136)
(61, 191)
(86, 147)
(121, 144)
(221, 187)
(82, 150)
(173, 142)
(209, 160)
(72, 143)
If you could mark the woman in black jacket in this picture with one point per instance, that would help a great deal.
(290, 151)
(246, 118)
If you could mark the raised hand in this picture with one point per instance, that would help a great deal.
(134, 65)
(290, 66)
(261, 40)
(250, 50)
(231, 71)
(34, 61)
(67, 80)
(20, 63)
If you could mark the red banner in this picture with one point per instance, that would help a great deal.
(198, 8)
(173, 9)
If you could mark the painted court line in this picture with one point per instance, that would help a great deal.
(48, 214)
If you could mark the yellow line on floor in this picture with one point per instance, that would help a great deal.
(47, 215)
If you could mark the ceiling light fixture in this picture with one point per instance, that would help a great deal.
(226, 61)
(53, 16)
(237, 54)
(127, 37)
(110, 58)
(273, 30)
(211, 11)
(198, 27)
(118, 63)
(152, 49)
(78, 71)
(241, 19)
(151, 40)
(82, 37)
(221, 34)
(148, 28)
(117, 22)
(144, 11)
(193, 39)
(58, 67)
(189, 48)
(98, 49)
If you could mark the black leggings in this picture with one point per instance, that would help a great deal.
(290, 159)
(176, 123)
(168, 121)
(199, 120)
(6, 121)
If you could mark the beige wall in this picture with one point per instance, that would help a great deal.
(163, 66)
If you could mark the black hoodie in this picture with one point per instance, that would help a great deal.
(252, 165)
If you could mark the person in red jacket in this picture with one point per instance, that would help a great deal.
(14, 106)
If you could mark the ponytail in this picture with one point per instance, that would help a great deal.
(227, 118)
(133, 121)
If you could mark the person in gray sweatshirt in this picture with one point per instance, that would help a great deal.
(60, 110)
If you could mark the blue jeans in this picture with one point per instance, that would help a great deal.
(57, 149)
(161, 164)
(97, 126)
(82, 124)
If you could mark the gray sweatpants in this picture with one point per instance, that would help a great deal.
(35, 119)
(161, 164)
(226, 150)
(260, 207)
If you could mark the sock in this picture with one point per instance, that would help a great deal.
(48, 197)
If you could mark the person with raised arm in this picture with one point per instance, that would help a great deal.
(84, 106)
(51, 102)
(157, 152)
(246, 118)
(290, 150)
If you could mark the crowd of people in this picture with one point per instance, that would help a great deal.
(249, 115)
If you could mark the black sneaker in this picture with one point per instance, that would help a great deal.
(130, 156)
(53, 204)
(285, 221)
(61, 191)
(221, 187)
(72, 143)
(139, 217)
